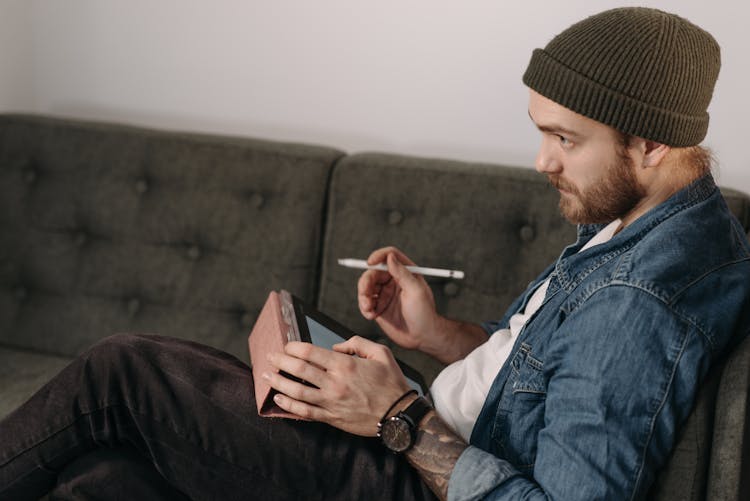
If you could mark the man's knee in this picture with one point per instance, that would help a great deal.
(112, 351)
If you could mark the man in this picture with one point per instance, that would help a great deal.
(578, 392)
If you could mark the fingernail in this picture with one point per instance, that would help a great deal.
(265, 375)
(277, 398)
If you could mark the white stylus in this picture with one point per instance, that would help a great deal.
(433, 272)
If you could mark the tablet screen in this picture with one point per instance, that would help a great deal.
(323, 331)
(322, 336)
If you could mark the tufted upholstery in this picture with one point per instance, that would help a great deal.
(712, 454)
(106, 228)
(486, 221)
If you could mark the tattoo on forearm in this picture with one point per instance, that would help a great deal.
(435, 453)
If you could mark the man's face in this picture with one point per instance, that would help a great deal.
(586, 161)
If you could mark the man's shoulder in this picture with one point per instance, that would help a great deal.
(697, 260)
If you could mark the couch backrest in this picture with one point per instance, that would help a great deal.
(109, 229)
(713, 446)
(499, 224)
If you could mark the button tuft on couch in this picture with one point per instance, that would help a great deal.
(451, 289)
(134, 306)
(20, 293)
(141, 186)
(80, 238)
(257, 200)
(527, 233)
(395, 217)
(194, 252)
(29, 175)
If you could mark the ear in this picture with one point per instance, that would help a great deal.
(654, 153)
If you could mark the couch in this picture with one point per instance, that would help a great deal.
(109, 228)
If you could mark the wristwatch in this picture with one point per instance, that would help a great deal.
(399, 432)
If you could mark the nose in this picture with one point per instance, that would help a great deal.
(546, 161)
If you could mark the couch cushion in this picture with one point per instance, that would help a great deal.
(739, 204)
(108, 229)
(730, 451)
(23, 372)
(498, 224)
(713, 446)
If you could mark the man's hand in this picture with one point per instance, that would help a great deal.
(355, 384)
(403, 306)
(400, 302)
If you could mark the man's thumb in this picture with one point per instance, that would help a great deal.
(398, 271)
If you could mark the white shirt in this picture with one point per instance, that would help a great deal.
(459, 391)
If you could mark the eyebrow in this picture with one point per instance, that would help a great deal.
(554, 128)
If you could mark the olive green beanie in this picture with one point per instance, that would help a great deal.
(641, 71)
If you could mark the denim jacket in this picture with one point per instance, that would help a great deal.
(588, 404)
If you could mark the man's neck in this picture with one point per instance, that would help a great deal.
(660, 183)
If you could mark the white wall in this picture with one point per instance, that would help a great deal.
(16, 42)
(427, 77)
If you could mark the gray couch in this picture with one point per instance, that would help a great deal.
(108, 228)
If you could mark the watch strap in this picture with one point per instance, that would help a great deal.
(416, 411)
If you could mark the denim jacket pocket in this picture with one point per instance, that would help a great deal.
(520, 412)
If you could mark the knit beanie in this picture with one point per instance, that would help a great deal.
(642, 71)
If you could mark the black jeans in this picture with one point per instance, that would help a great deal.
(181, 419)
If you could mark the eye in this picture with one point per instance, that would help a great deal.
(564, 141)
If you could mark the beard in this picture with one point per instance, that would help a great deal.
(615, 194)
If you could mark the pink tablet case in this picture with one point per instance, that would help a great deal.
(269, 335)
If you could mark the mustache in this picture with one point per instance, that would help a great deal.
(561, 184)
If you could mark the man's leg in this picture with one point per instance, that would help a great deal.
(191, 410)
(113, 474)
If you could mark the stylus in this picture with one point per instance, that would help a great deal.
(433, 272)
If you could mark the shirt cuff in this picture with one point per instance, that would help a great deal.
(477, 473)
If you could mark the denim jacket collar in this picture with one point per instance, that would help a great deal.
(571, 268)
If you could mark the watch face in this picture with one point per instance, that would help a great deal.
(396, 434)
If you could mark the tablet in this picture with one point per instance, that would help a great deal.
(314, 326)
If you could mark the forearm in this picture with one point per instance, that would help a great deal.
(435, 452)
(453, 340)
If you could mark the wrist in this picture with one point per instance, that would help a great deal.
(453, 340)
(396, 406)
(401, 406)
(445, 341)
(398, 430)
(437, 337)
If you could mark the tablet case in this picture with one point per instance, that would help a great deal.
(270, 333)
(277, 324)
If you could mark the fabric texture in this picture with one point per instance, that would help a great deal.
(707, 461)
(642, 71)
(106, 229)
(22, 372)
(113, 474)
